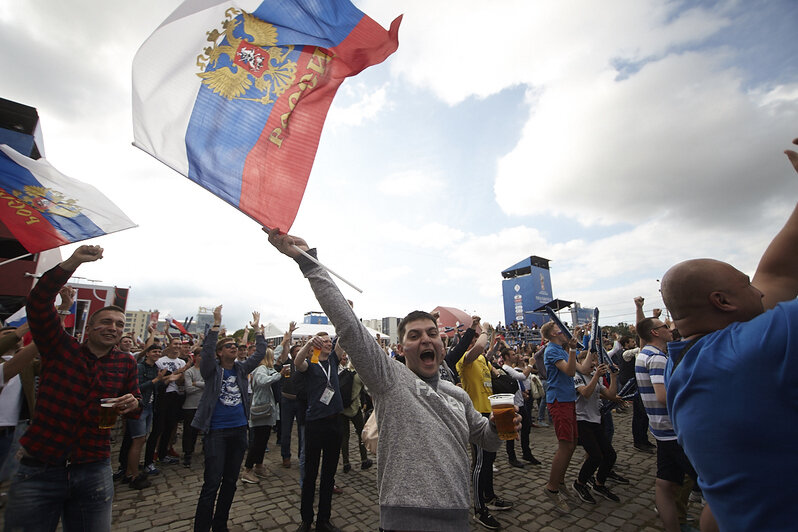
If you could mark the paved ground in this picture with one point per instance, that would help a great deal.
(274, 503)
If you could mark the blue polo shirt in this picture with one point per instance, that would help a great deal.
(733, 402)
(561, 386)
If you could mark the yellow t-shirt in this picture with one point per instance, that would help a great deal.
(476, 381)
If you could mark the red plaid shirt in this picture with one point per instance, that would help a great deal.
(72, 382)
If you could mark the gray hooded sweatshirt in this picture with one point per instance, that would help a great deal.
(425, 426)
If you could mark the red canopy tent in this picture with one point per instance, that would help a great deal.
(451, 317)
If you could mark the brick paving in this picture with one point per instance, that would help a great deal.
(273, 504)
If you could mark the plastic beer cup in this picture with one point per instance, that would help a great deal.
(108, 413)
(503, 408)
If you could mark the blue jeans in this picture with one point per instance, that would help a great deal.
(224, 452)
(40, 495)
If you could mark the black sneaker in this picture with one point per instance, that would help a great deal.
(644, 449)
(119, 474)
(140, 482)
(591, 482)
(516, 463)
(488, 521)
(497, 504)
(367, 464)
(605, 492)
(187, 460)
(584, 493)
(326, 526)
(531, 459)
(347, 468)
(612, 475)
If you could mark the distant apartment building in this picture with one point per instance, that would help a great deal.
(136, 322)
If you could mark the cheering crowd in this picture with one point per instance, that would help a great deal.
(429, 402)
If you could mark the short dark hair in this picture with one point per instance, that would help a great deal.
(413, 316)
(624, 339)
(113, 308)
(151, 347)
(644, 328)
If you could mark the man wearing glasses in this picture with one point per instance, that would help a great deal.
(672, 463)
(222, 415)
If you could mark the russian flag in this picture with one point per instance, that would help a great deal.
(176, 324)
(17, 318)
(45, 209)
(233, 95)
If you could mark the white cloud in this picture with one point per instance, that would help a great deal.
(365, 103)
(411, 183)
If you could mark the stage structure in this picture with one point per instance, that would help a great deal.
(526, 287)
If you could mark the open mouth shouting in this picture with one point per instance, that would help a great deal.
(427, 356)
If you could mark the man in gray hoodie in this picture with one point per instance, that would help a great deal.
(425, 424)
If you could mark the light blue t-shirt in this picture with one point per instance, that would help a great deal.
(734, 405)
(229, 411)
(561, 386)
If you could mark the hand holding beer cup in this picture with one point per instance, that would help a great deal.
(110, 407)
(504, 416)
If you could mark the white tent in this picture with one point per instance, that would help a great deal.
(306, 330)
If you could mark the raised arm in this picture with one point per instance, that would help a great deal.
(375, 367)
(301, 362)
(19, 361)
(43, 319)
(286, 343)
(777, 275)
(456, 353)
(479, 347)
(208, 358)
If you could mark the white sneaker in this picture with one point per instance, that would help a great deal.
(557, 500)
(249, 477)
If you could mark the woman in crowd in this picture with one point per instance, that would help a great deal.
(263, 415)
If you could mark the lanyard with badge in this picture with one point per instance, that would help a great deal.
(328, 393)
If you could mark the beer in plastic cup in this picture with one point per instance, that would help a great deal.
(503, 408)
(108, 413)
(287, 369)
(314, 358)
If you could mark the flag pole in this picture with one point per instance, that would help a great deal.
(311, 257)
(316, 261)
(15, 258)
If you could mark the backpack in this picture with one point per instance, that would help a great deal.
(504, 383)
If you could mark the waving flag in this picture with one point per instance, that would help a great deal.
(17, 318)
(233, 95)
(173, 323)
(45, 209)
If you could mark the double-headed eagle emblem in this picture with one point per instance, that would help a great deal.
(244, 56)
(48, 201)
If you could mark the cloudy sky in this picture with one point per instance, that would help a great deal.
(613, 138)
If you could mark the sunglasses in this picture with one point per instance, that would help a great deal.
(229, 346)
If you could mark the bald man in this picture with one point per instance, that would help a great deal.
(730, 382)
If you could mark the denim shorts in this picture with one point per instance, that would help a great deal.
(141, 427)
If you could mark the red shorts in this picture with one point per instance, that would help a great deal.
(564, 417)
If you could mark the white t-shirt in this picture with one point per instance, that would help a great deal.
(173, 365)
(10, 400)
